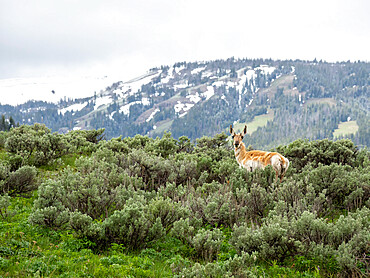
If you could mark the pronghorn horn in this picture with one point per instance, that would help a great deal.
(245, 130)
(231, 129)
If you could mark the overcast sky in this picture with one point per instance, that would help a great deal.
(127, 38)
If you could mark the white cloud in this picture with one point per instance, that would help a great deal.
(126, 38)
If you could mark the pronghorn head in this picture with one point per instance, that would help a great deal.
(237, 138)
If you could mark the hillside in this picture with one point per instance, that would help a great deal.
(281, 100)
(75, 205)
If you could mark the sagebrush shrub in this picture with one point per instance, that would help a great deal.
(36, 144)
(21, 181)
(3, 137)
(133, 226)
(133, 191)
(237, 266)
(4, 204)
(302, 152)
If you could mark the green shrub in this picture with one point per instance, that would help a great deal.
(214, 203)
(3, 137)
(207, 243)
(164, 193)
(165, 146)
(4, 171)
(20, 182)
(36, 144)
(155, 171)
(210, 270)
(342, 185)
(116, 145)
(302, 152)
(238, 266)
(4, 204)
(92, 136)
(102, 203)
(132, 227)
(339, 246)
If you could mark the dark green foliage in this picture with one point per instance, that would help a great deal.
(7, 124)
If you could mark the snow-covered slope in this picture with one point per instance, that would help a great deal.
(153, 99)
(51, 89)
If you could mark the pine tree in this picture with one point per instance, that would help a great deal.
(11, 122)
(3, 124)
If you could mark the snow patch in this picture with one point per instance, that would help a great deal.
(207, 74)
(74, 107)
(224, 98)
(145, 101)
(266, 69)
(152, 115)
(169, 76)
(194, 98)
(125, 109)
(111, 115)
(133, 86)
(218, 83)
(209, 93)
(179, 69)
(182, 107)
(102, 101)
(198, 70)
(181, 85)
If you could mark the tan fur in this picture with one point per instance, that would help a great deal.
(253, 160)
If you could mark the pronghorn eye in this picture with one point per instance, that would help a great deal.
(232, 136)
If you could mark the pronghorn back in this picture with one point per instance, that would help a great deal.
(252, 160)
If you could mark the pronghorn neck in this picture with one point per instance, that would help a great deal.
(240, 150)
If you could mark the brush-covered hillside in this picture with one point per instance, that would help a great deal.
(281, 101)
(76, 205)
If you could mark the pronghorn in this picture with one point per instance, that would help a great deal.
(253, 160)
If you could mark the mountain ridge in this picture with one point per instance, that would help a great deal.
(204, 98)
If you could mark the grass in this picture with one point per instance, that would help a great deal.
(285, 82)
(328, 100)
(258, 121)
(164, 126)
(346, 128)
(27, 250)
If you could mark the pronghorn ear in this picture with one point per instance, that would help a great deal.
(245, 130)
(231, 130)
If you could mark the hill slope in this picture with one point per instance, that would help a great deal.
(297, 99)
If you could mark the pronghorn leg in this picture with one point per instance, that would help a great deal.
(276, 172)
